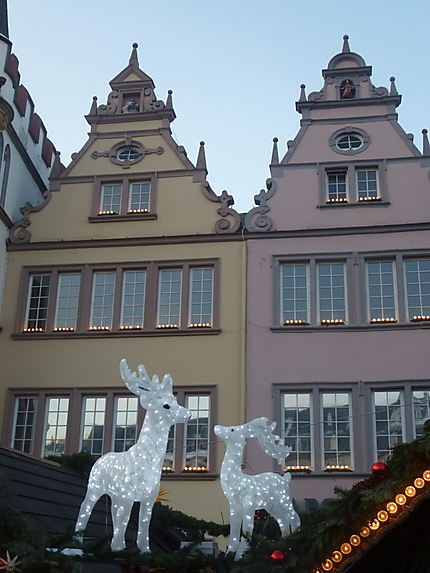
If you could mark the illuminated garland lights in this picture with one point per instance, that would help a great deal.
(392, 510)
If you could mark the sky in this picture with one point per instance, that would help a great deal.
(235, 67)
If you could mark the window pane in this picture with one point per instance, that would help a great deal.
(169, 458)
(24, 424)
(417, 272)
(133, 299)
(196, 433)
(421, 410)
(67, 301)
(93, 420)
(102, 299)
(139, 197)
(380, 292)
(110, 203)
(367, 184)
(125, 423)
(388, 422)
(296, 426)
(336, 187)
(37, 303)
(54, 440)
(336, 429)
(169, 297)
(331, 289)
(201, 296)
(294, 293)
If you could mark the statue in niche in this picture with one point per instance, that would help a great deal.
(347, 89)
(131, 106)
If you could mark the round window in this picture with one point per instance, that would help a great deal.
(128, 153)
(350, 142)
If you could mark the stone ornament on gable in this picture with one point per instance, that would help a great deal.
(19, 232)
(258, 219)
(224, 225)
(136, 152)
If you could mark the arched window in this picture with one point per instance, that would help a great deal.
(6, 158)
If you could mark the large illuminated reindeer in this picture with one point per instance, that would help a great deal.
(248, 493)
(134, 475)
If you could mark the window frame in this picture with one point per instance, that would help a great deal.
(126, 182)
(150, 326)
(77, 397)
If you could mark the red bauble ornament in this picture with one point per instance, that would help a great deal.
(380, 470)
(277, 556)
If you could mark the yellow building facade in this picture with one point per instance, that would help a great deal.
(132, 255)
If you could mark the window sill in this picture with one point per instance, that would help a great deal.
(122, 218)
(329, 475)
(116, 333)
(189, 476)
(344, 204)
(351, 327)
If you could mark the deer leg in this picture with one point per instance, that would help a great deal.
(235, 526)
(122, 515)
(85, 511)
(144, 519)
(247, 528)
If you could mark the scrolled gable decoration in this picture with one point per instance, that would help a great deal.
(258, 218)
(223, 225)
(19, 232)
(136, 149)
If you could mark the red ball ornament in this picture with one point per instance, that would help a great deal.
(380, 470)
(277, 556)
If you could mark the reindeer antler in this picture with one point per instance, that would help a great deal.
(270, 442)
(138, 384)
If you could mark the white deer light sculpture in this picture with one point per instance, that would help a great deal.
(248, 493)
(134, 475)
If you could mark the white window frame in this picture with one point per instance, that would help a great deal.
(334, 392)
(291, 463)
(332, 319)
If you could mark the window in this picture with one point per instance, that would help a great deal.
(41, 423)
(124, 197)
(352, 185)
(388, 408)
(331, 293)
(121, 299)
(380, 291)
(54, 434)
(24, 424)
(417, 278)
(297, 424)
(4, 185)
(367, 184)
(294, 294)
(336, 430)
(128, 153)
(349, 140)
(421, 410)
(336, 187)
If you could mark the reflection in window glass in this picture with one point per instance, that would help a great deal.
(294, 293)
(381, 293)
(197, 432)
(201, 296)
(67, 300)
(169, 297)
(37, 304)
(133, 299)
(111, 199)
(24, 424)
(169, 458)
(336, 429)
(125, 423)
(331, 291)
(297, 426)
(421, 410)
(102, 299)
(57, 411)
(417, 273)
(388, 422)
(93, 422)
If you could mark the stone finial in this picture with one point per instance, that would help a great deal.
(133, 61)
(201, 157)
(169, 100)
(93, 109)
(275, 154)
(393, 89)
(426, 145)
(345, 48)
(302, 93)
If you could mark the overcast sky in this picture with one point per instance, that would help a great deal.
(235, 67)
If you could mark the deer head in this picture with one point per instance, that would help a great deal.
(272, 444)
(155, 396)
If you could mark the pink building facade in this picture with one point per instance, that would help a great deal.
(338, 285)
